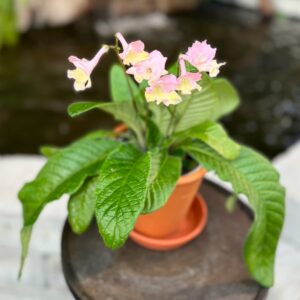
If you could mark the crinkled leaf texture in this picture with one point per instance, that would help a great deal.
(81, 206)
(123, 111)
(165, 172)
(49, 151)
(214, 135)
(216, 98)
(121, 193)
(64, 172)
(251, 174)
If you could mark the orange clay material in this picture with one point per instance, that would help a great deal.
(175, 217)
(168, 219)
(120, 128)
(188, 230)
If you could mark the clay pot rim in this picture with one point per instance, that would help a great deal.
(193, 175)
(171, 243)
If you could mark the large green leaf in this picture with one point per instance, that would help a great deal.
(48, 150)
(123, 111)
(121, 193)
(165, 172)
(228, 98)
(252, 175)
(214, 135)
(64, 172)
(216, 99)
(81, 206)
(122, 87)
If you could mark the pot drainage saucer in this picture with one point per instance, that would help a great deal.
(192, 226)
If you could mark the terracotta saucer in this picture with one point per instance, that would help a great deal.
(192, 226)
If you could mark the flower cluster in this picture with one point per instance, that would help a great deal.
(162, 87)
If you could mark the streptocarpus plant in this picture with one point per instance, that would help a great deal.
(172, 119)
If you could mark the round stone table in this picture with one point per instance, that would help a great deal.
(209, 268)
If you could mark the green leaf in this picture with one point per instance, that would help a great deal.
(153, 135)
(160, 116)
(64, 173)
(81, 206)
(216, 98)
(78, 108)
(165, 172)
(123, 111)
(121, 193)
(96, 134)
(8, 23)
(228, 98)
(25, 241)
(231, 202)
(251, 174)
(174, 68)
(49, 151)
(214, 135)
(122, 87)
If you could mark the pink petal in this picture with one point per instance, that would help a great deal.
(200, 55)
(88, 65)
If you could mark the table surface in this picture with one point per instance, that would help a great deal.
(210, 267)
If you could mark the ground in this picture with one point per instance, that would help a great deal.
(43, 278)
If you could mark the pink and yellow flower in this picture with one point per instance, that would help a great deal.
(187, 81)
(200, 55)
(150, 69)
(84, 69)
(163, 91)
(133, 52)
(215, 68)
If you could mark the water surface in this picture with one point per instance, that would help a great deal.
(262, 61)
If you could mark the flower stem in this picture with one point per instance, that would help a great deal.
(171, 124)
(139, 134)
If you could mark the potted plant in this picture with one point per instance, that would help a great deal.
(145, 174)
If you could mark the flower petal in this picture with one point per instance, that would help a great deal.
(82, 80)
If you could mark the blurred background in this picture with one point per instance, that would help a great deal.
(259, 40)
(261, 47)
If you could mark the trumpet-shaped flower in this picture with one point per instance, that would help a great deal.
(150, 69)
(187, 81)
(84, 68)
(133, 52)
(215, 68)
(163, 91)
(200, 55)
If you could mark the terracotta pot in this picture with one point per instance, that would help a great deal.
(179, 221)
(168, 219)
